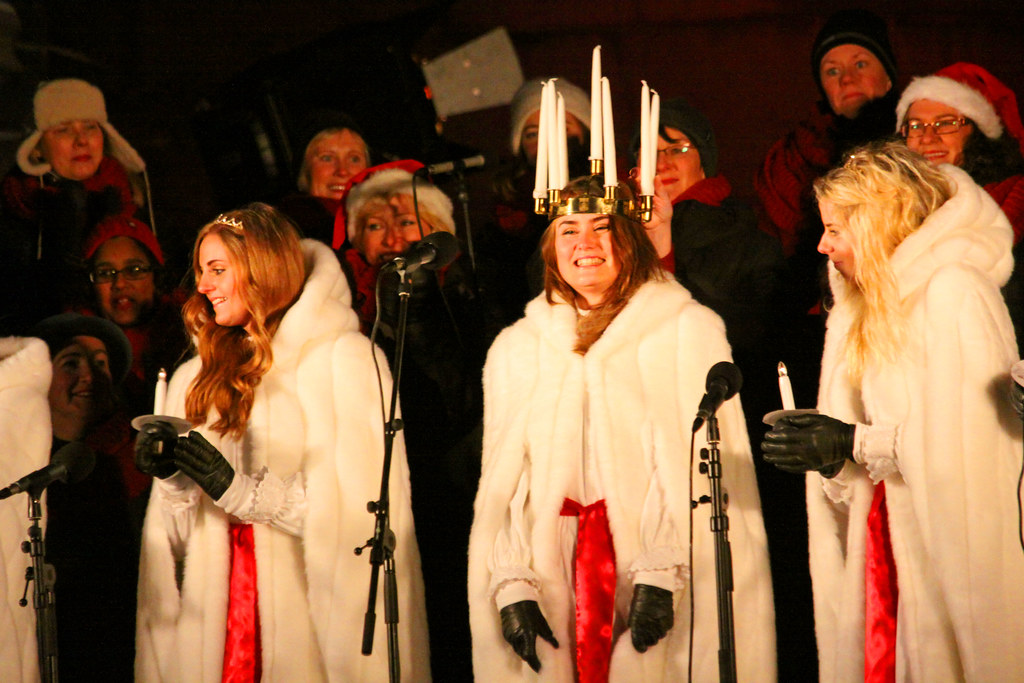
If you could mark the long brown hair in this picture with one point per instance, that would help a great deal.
(638, 260)
(263, 246)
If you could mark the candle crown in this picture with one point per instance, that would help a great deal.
(612, 203)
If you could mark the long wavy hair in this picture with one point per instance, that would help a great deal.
(267, 260)
(633, 249)
(882, 194)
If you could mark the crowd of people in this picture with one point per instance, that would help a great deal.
(543, 520)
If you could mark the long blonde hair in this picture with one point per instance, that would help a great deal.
(881, 194)
(263, 246)
(634, 251)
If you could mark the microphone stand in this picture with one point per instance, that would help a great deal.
(723, 554)
(382, 545)
(43, 597)
(462, 193)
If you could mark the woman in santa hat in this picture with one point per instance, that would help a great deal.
(965, 116)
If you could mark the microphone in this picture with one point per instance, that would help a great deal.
(434, 251)
(724, 381)
(457, 165)
(71, 464)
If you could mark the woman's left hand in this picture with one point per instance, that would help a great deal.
(800, 443)
(659, 228)
(200, 460)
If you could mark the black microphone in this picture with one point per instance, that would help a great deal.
(72, 463)
(457, 165)
(724, 381)
(434, 251)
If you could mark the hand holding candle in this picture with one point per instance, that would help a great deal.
(786, 388)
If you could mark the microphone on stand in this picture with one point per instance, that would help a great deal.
(723, 382)
(434, 251)
(443, 167)
(71, 464)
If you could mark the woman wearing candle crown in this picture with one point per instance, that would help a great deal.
(579, 547)
(914, 458)
(247, 568)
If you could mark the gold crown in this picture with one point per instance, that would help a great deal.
(612, 203)
(230, 222)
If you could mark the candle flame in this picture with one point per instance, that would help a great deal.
(783, 372)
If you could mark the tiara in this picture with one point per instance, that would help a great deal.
(230, 222)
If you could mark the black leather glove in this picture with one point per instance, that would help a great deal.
(800, 443)
(521, 623)
(154, 449)
(197, 458)
(650, 615)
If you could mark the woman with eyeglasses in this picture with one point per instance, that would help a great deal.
(913, 458)
(965, 116)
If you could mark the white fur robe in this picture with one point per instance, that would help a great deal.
(25, 434)
(953, 501)
(642, 382)
(317, 412)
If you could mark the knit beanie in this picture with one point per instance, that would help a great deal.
(972, 91)
(58, 331)
(70, 99)
(122, 226)
(384, 181)
(853, 27)
(677, 113)
(526, 101)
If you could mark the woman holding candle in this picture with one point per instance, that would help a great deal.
(588, 399)
(247, 566)
(914, 457)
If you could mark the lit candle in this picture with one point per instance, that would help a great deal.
(646, 177)
(611, 177)
(160, 400)
(786, 389)
(652, 149)
(540, 187)
(595, 104)
(563, 153)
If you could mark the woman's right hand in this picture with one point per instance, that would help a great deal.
(154, 449)
(521, 623)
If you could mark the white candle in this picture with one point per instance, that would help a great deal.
(652, 149)
(611, 177)
(553, 137)
(786, 389)
(563, 152)
(160, 400)
(644, 160)
(540, 187)
(595, 105)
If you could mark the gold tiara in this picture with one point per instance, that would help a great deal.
(612, 203)
(230, 222)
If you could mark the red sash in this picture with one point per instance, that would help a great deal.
(243, 661)
(595, 590)
(881, 594)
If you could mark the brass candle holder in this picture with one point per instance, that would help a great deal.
(646, 209)
(597, 167)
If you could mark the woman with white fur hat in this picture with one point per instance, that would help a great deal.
(72, 171)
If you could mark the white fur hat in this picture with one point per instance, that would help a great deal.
(388, 181)
(70, 99)
(527, 101)
(963, 98)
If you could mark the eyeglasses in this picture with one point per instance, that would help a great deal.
(102, 276)
(915, 129)
(674, 151)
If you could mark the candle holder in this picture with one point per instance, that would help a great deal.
(180, 425)
(611, 193)
(597, 167)
(554, 197)
(773, 417)
(540, 205)
(646, 209)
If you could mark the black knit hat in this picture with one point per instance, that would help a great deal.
(58, 331)
(677, 113)
(856, 27)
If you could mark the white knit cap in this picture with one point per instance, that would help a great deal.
(395, 181)
(527, 101)
(951, 93)
(70, 99)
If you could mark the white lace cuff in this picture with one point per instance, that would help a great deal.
(875, 446)
(264, 498)
(513, 584)
(837, 488)
(663, 567)
(177, 492)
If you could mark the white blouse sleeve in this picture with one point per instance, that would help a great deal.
(662, 563)
(265, 498)
(877, 448)
(178, 497)
(512, 580)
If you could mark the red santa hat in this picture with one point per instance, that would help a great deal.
(121, 226)
(972, 91)
(388, 180)
(70, 99)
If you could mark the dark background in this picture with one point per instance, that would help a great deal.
(197, 88)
